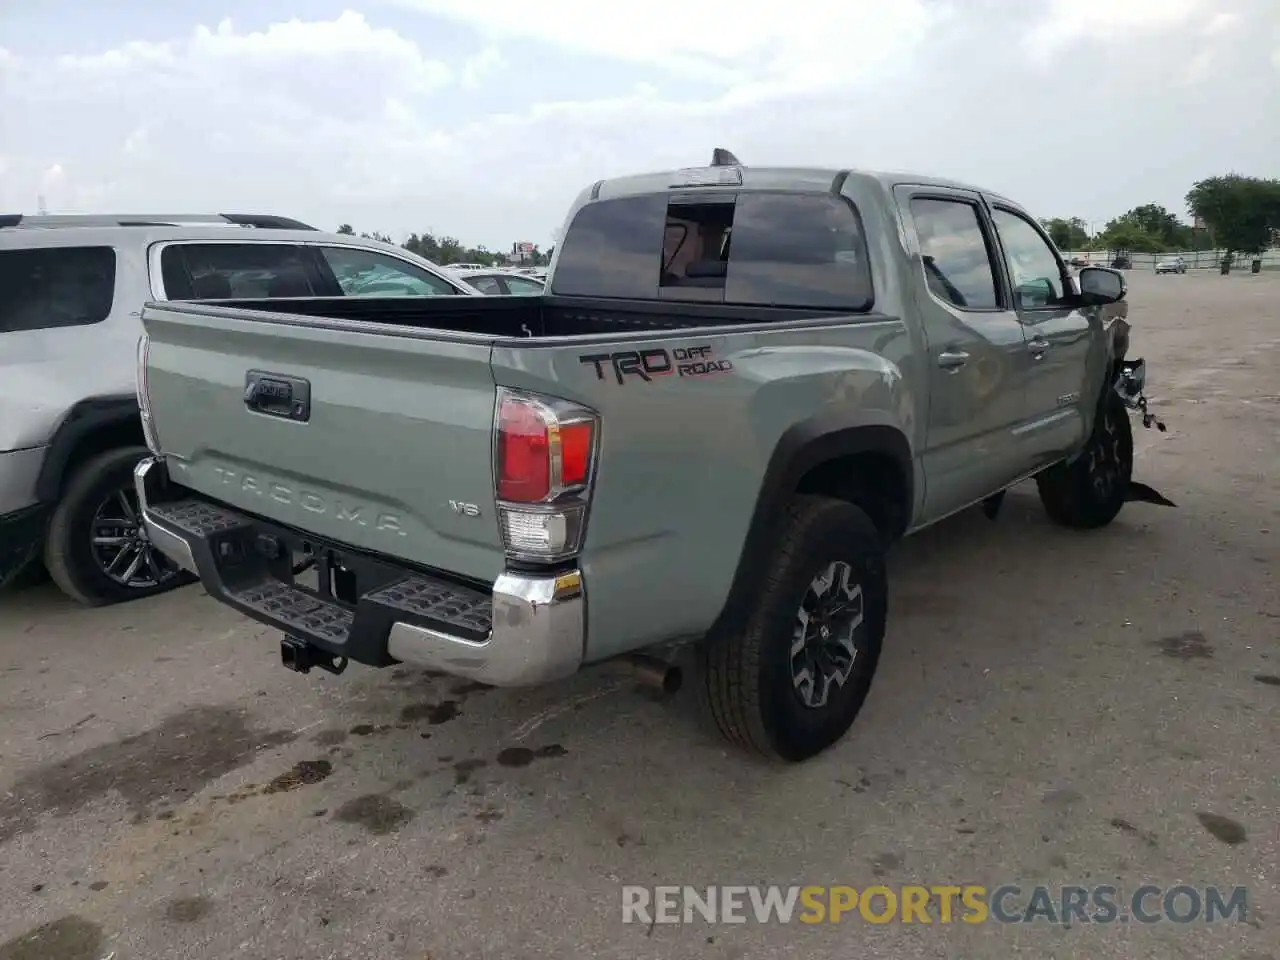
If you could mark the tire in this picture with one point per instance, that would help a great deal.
(1088, 492)
(749, 678)
(77, 566)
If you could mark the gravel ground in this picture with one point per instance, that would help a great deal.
(1052, 708)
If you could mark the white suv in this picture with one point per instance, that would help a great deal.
(70, 432)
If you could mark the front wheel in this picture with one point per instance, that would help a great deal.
(792, 682)
(96, 548)
(1089, 491)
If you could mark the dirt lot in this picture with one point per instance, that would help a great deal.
(1052, 708)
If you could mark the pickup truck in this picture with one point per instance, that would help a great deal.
(740, 388)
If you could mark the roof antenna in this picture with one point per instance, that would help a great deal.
(720, 157)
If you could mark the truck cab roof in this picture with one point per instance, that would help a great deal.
(799, 179)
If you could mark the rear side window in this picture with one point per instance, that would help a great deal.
(224, 271)
(525, 288)
(55, 287)
(487, 285)
(761, 249)
(953, 248)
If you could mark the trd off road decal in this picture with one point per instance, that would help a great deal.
(657, 362)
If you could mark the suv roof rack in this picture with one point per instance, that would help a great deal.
(259, 221)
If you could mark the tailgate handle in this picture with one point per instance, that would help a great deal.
(277, 395)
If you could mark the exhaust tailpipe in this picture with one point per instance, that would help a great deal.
(657, 674)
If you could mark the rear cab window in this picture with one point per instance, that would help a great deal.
(751, 248)
(46, 287)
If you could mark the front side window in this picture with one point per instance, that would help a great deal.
(1034, 268)
(226, 271)
(48, 287)
(367, 273)
(953, 249)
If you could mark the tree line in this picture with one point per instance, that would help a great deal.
(1240, 215)
(447, 250)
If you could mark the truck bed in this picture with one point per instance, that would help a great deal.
(504, 317)
(387, 446)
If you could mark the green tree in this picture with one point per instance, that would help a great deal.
(1243, 212)
(1154, 220)
(1067, 234)
(1123, 234)
(347, 230)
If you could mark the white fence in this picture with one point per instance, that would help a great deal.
(1194, 259)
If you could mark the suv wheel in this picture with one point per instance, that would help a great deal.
(791, 684)
(1089, 492)
(96, 549)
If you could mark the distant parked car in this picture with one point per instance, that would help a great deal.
(1171, 265)
(1079, 262)
(500, 283)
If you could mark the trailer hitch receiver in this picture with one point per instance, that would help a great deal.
(298, 655)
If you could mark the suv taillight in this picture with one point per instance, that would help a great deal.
(144, 396)
(544, 467)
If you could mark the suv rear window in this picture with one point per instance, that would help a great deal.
(763, 249)
(49, 287)
(240, 271)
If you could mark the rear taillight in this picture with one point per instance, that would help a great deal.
(144, 396)
(544, 466)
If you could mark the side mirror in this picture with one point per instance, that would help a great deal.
(1101, 285)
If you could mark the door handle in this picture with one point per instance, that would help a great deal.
(1038, 346)
(952, 360)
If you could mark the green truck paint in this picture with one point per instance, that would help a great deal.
(715, 415)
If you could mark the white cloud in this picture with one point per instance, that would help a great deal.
(1200, 66)
(484, 120)
(1106, 21)
(136, 142)
(802, 45)
(482, 66)
(1222, 23)
(53, 176)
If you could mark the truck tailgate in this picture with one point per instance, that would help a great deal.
(390, 450)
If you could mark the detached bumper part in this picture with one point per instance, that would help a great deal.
(524, 630)
(1130, 385)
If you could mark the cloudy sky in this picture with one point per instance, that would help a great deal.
(483, 118)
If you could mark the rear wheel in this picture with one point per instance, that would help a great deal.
(792, 682)
(97, 550)
(1088, 492)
